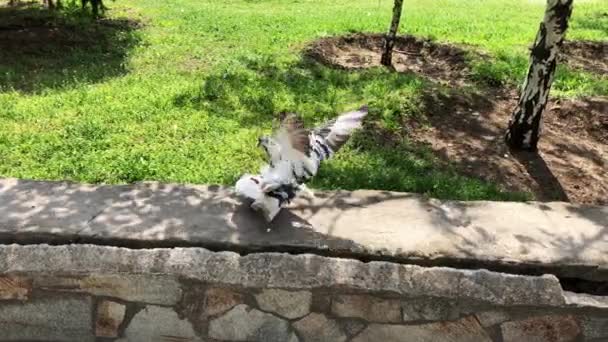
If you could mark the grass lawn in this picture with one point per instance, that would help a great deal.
(181, 91)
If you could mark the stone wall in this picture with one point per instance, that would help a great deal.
(96, 293)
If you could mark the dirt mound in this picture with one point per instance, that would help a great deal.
(467, 131)
(440, 62)
(588, 55)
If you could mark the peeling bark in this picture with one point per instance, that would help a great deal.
(525, 124)
(387, 54)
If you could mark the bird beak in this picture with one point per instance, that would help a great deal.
(259, 141)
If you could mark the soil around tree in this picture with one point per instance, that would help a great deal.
(588, 55)
(442, 63)
(466, 129)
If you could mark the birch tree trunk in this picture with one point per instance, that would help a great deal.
(525, 124)
(49, 4)
(389, 42)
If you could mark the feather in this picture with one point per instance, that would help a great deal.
(293, 133)
(295, 149)
(280, 173)
(248, 186)
(337, 131)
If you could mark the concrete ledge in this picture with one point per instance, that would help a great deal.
(532, 238)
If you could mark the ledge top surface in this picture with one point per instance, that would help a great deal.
(560, 238)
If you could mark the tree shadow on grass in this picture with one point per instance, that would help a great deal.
(253, 90)
(41, 49)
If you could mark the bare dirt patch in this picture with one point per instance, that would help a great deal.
(466, 129)
(442, 63)
(587, 55)
(572, 163)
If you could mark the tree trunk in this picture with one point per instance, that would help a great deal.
(49, 4)
(95, 7)
(389, 42)
(525, 124)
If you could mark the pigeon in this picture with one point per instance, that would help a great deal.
(293, 157)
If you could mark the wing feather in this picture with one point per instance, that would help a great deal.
(337, 131)
(293, 135)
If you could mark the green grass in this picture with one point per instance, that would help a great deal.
(182, 96)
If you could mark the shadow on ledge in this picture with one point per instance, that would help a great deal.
(42, 49)
(150, 215)
(364, 225)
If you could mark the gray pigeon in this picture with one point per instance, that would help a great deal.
(294, 155)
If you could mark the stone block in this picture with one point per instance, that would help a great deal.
(243, 323)
(429, 309)
(542, 329)
(595, 327)
(47, 319)
(135, 288)
(15, 287)
(109, 317)
(509, 289)
(463, 330)
(219, 300)
(158, 324)
(371, 309)
(583, 300)
(321, 302)
(149, 289)
(493, 317)
(431, 282)
(352, 326)
(289, 304)
(318, 328)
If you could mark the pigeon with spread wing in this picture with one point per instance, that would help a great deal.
(294, 155)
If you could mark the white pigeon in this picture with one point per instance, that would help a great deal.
(294, 155)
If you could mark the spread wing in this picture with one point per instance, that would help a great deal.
(294, 142)
(293, 137)
(337, 131)
(292, 134)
